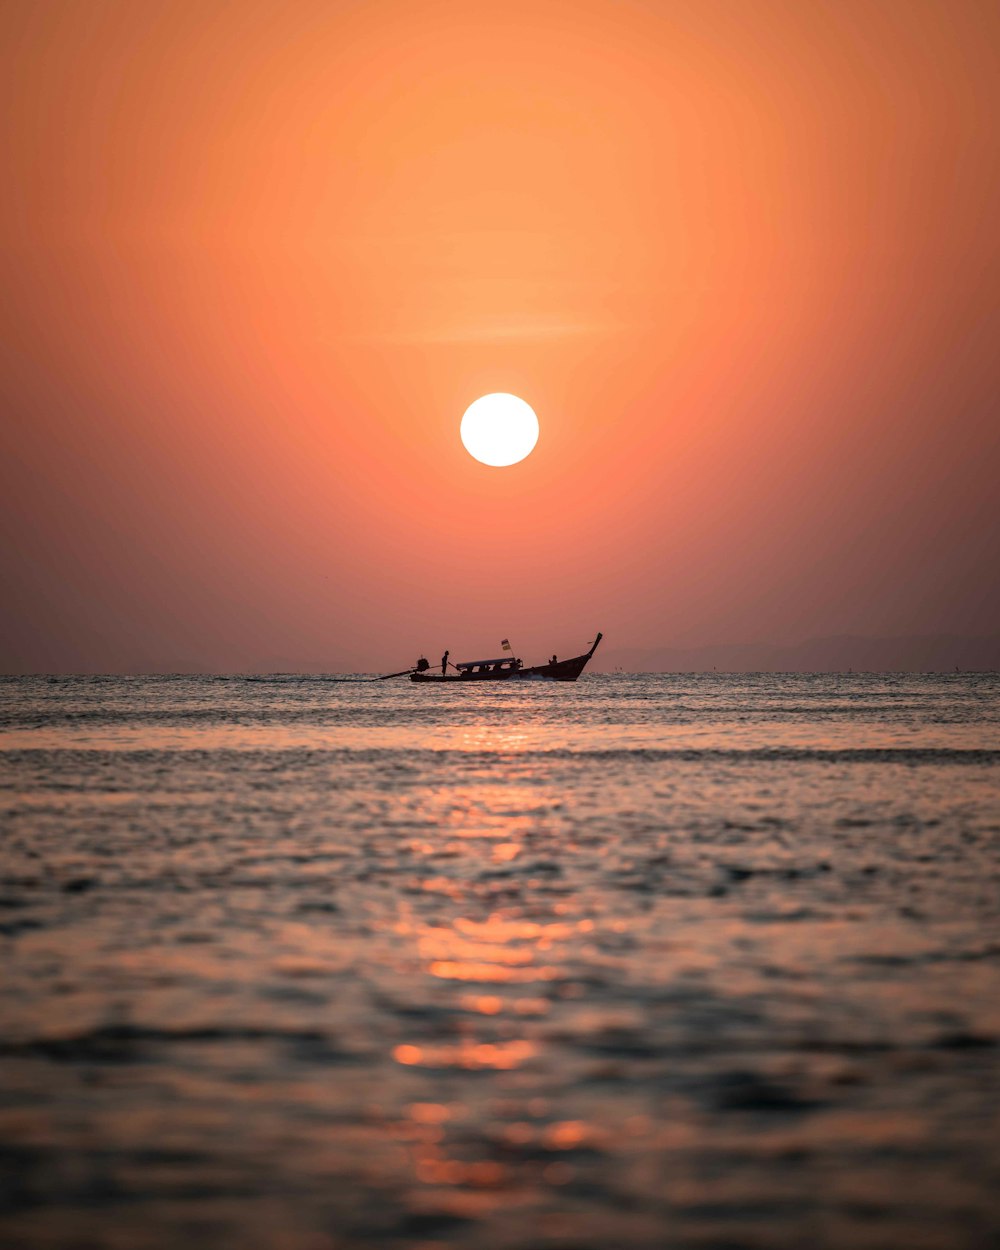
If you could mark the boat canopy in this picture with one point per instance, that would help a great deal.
(506, 659)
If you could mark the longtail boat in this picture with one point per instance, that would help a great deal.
(506, 669)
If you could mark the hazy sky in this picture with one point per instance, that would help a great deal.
(741, 258)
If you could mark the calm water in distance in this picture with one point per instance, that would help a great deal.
(640, 962)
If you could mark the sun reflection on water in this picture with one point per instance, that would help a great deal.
(453, 978)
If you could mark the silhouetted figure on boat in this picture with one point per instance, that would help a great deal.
(553, 660)
(444, 663)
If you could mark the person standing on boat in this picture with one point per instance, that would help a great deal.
(444, 663)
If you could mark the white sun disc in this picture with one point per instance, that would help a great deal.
(499, 429)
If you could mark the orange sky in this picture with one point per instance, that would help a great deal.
(741, 258)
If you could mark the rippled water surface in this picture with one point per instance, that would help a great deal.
(645, 961)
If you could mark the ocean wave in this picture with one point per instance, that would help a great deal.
(406, 755)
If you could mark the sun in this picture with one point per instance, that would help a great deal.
(499, 429)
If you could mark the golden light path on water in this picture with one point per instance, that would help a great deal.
(494, 741)
(554, 967)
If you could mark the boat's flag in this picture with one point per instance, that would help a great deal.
(505, 643)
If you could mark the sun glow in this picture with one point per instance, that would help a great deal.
(499, 429)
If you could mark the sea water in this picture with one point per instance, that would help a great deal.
(644, 961)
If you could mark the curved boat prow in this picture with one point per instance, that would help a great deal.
(564, 670)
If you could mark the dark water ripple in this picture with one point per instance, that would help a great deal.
(645, 962)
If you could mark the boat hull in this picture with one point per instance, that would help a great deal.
(562, 670)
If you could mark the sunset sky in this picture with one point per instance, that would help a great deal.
(742, 259)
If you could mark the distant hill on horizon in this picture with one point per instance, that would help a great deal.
(835, 654)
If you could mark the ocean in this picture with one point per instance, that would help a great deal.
(692, 960)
